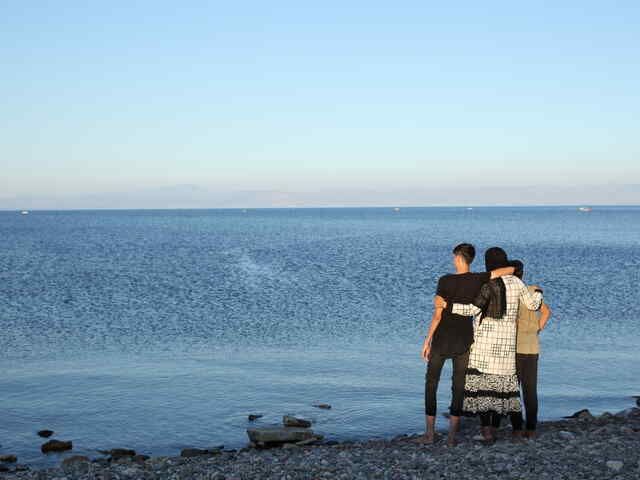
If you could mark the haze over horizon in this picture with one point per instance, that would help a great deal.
(280, 103)
(198, 197)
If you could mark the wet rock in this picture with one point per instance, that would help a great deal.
(582, 415)
(76, 463)
(45, 433)
(4, 468)
(605, 416)
(121, 452)
(310, 441)
(56, 446)
(278, 435)
(122, 460)
(295, 422)
(325, 406)
(8, 459)
(626, 413)
(254, 416)
(193, 452)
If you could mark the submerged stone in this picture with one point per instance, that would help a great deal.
(271, 435)
(56, 446)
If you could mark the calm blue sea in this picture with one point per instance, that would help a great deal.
(159, 330)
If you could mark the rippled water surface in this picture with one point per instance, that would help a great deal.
(159, 330)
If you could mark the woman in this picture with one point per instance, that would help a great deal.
(529, 325)
(491, 385)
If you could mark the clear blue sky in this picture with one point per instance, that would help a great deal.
(122, 95)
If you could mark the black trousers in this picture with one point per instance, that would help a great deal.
(527, 370)
(434, 369)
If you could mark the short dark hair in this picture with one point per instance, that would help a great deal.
(466, 251)
(519, 268)
(495, 258)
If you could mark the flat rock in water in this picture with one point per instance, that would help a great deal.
(45, 433)
(121, 452)
(56, 446)
(325, 406)
(8, 459)
(193, 452)
(279, 435)
(295, 422)
(254, 416)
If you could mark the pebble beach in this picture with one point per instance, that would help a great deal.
(584, 447)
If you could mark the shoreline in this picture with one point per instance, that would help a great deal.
(587, 447)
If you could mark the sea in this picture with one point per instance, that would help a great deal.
(158, 330)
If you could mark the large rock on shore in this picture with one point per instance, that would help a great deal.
(279, 435)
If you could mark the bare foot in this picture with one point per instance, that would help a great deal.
(488, 437)
(451, 440)
(426, 439)
(517, 436)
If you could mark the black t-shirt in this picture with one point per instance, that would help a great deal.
(454, 335)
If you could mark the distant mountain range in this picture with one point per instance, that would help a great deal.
(194, 196)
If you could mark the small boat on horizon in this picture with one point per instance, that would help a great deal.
(396, 209)
(585, 209)
(24, 212)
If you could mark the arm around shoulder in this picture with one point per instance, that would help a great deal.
(531, 300)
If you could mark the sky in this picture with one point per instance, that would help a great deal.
(123, 96)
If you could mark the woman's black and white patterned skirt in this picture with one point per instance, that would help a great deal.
(484, 392)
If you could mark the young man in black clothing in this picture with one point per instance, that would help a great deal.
(450, 337)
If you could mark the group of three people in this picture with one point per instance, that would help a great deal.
(488, 325)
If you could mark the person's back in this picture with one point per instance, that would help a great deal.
(454, 335)
(528, 322)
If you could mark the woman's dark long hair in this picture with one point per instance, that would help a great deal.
(495, 258)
